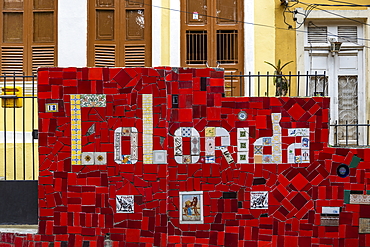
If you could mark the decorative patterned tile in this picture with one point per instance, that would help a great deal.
(258, 149)
(186, 159)
(125, 204)
(178, 145)
(227, 155)
(329, 220)
(51, 107)
(88, 158)
(364, 225)
(148, 129)
(93, 100)
(100, 158)
(259, 200)
(76, 148)
(359, 199)
(195, 145)
(243, 145)
(210, 146)
(267, 159)
(267, 141)
(210, 159)
(243, 133)
(243, 157)
(191, 207)
(186, 132)
(242, 115)
(210, 131)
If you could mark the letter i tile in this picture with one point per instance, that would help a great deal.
(76, 129)
(147, 129)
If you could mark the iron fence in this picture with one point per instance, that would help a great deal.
(18, 135)
(350, 134)
(267, 85)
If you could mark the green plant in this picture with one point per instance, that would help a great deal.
(280, 81)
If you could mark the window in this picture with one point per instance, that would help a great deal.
(119, 33)
(28, 39)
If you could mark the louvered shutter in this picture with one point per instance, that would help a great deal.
(12, 59)
(347, 34)
(28, 39)
(135, 56)
(42, 56)
(105, 55)
(317, 34)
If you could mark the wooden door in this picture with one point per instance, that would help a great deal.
(212, 35)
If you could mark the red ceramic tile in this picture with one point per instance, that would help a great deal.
(156, 187)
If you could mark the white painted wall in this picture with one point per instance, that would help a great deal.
(249, 47)
(249, 36)
(156, 32)
(175, 33)
(72, 33)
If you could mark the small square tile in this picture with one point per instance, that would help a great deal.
(51, 107)
(100, 158)
(186, 131)
(243, 157)
(243, 133)
(87, 158)
(258, 149)
(210, 131)
(124, 204)
(160, 157)
(259, 199)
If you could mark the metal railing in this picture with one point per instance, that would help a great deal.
(18, 131)
(350, 134)
(19, 138)
(264, 85)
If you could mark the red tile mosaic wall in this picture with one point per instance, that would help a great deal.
(158, 157)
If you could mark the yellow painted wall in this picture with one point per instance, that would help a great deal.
(264, 39)
(165, 35)
(26, 154)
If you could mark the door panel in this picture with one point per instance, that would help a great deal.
(347, 107)
(196, 12)
(226, 11)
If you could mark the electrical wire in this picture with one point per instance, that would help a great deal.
(350, 4)
(334, 35)
(341, 16)
(308, 10)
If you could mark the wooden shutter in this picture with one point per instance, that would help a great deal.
(105, 55)
(119, 33)
(12, 59)
(42, 56)
(28, 39)
(134, 56)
